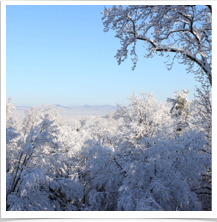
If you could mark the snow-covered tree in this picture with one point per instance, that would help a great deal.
(180, 109)
(203, 110)
(145, 117)
(184, 31)
(39, 178)
(11, 134)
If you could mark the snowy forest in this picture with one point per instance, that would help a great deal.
(146, 156)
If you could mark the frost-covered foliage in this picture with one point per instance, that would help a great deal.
(130, 160)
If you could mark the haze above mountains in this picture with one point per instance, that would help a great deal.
(86, 110)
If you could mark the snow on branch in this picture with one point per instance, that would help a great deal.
(181, 29)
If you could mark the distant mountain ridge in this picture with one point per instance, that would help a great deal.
(76, 110)
(88, 107)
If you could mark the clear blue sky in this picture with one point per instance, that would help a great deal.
(60, 55)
